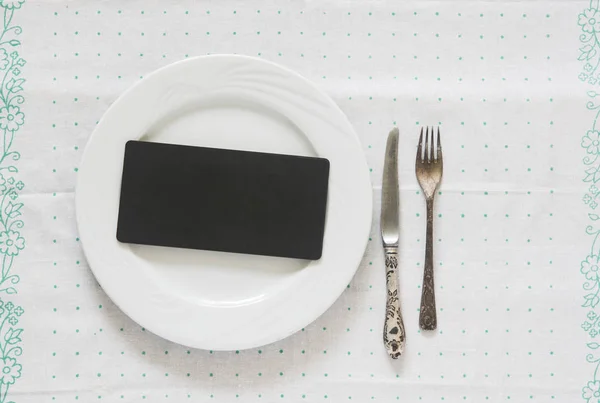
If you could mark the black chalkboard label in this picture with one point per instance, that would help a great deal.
(223, 200)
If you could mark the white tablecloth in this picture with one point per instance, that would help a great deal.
(516, 273)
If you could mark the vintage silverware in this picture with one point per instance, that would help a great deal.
(393, 329)
(429, 168)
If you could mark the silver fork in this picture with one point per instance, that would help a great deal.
(429, 168)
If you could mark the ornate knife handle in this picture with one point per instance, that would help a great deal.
(394, 337)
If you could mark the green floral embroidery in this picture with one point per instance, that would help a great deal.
(592, 325)
(12, 4)
(589, 22)
(12, 242)
(12, 119)
(591, 392)
(589, 267)
(10, 349)
(591, 141)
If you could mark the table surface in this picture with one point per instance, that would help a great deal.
(512, 86)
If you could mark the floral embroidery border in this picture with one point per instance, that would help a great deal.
(589, 56)
(12, 243)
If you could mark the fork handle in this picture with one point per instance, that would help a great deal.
(427, 315)
(393, 328)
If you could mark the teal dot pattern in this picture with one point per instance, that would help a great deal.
(491, 75)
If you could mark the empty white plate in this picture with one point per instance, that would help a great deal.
(215, 300)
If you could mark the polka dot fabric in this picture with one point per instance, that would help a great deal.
(498, 78)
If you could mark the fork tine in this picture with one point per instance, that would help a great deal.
(433, 153)
(427, 150)
(439, 147)
(420, 147)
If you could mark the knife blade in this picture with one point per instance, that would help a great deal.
(389, 193)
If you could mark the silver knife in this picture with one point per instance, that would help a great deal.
(393, 330)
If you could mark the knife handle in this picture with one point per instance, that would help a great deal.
(394, 337)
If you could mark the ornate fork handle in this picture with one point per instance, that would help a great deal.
(394, 336)
(427, 315)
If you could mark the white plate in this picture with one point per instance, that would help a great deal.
(214, 300)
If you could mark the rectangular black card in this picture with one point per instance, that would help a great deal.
(223, 200)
